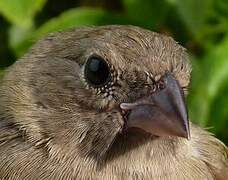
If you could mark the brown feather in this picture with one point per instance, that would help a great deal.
(53, 125)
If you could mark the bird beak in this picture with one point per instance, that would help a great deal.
(162, 113)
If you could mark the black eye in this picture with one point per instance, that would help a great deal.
(97, 71)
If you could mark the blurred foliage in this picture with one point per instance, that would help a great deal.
(200, 26)
(20, 12)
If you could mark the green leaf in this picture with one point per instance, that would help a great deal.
(80, 17)
(219, 69)
(194, 13)
(21, 12)
(17, 35)
(210, 81)
(219, 114)
(71, 18)
(147, 13)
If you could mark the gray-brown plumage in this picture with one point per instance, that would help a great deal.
(103, 103)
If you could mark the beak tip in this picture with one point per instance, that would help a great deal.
(187, 134)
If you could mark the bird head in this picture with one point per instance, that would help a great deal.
(76, 91)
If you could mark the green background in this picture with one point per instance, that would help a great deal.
(199, 25)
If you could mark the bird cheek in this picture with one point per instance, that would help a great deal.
(98, 133)
(117, 119)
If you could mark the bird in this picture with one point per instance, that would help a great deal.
(104, 103)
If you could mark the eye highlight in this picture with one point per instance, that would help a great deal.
(97, 71)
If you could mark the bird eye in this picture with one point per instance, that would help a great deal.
(97, 71)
